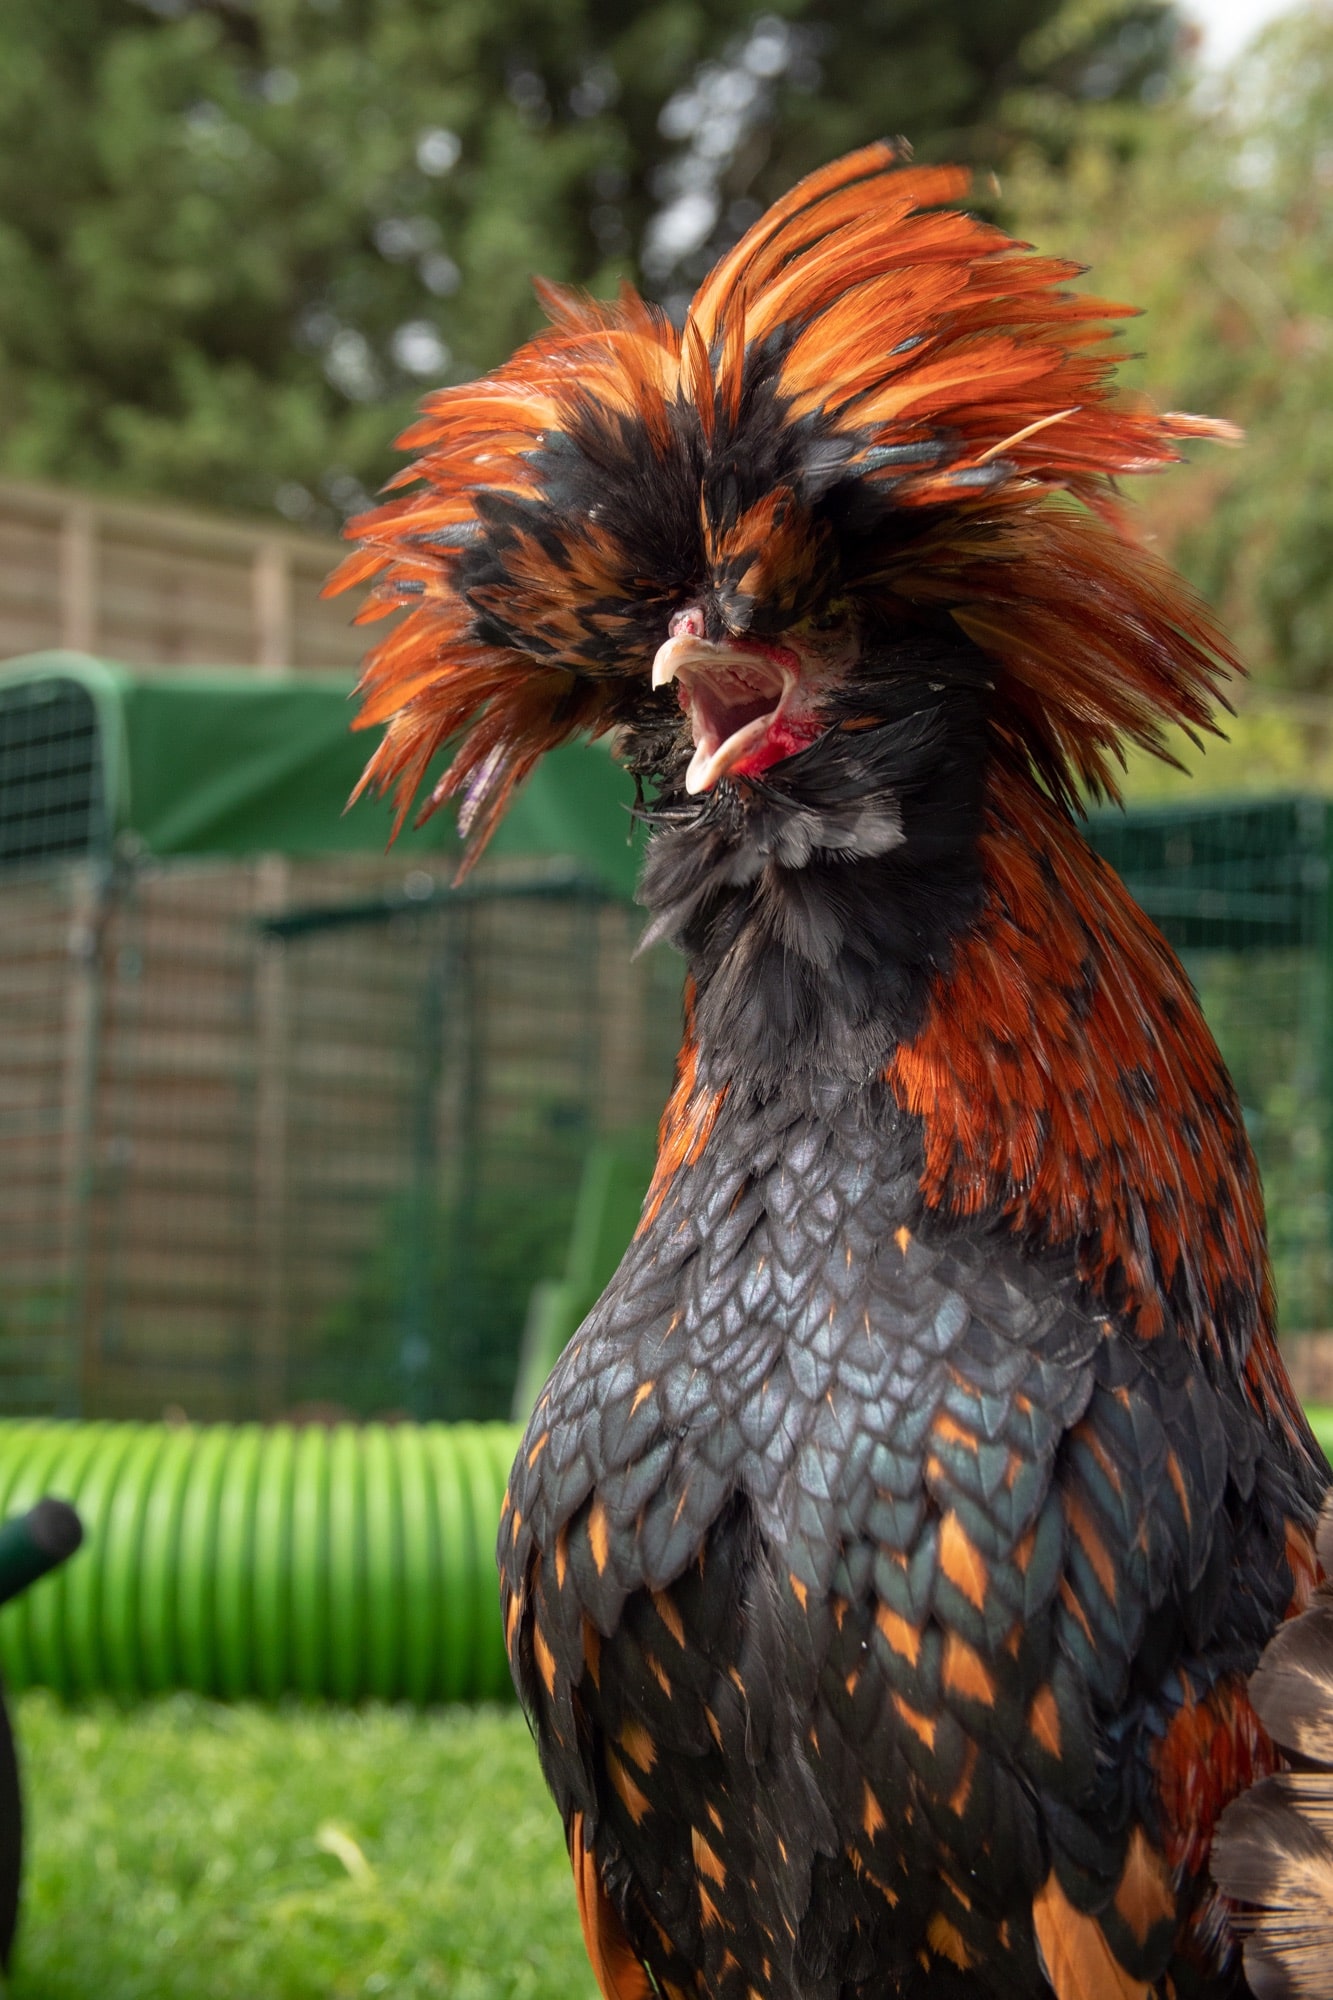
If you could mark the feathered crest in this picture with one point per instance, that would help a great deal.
(873, 393)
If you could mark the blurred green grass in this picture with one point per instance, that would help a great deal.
(183, 1850)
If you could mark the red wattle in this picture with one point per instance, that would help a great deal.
(788, 735)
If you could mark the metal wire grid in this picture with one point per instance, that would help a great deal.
(279, 1135)
(256, 1162)
(1242, 892)
(51, 779)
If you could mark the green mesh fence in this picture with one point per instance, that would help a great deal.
(1242, 893)
(283, 1133)
(282, 1130)
(269, 1148)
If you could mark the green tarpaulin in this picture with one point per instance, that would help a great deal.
(214, 762)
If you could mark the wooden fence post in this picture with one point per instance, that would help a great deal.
(78, 577)
(271, 596)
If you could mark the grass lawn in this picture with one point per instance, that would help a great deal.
(181, 1850)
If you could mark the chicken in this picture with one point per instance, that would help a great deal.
(886, 1557)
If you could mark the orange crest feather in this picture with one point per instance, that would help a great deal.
(862, 339)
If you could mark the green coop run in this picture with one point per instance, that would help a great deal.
(291, 1126)
(1242, 891)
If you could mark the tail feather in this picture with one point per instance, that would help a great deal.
(1292, 1687)
(616, 1965)
(1273, 1850)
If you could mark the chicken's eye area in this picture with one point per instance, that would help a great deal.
(743, 700)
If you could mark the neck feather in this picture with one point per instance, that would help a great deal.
(1069, 1088)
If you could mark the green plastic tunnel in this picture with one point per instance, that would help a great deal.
(255, 1561)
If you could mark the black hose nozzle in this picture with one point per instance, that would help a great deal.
(35, 1542)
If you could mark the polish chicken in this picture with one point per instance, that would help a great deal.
(887, 1556)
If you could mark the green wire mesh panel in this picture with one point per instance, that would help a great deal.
(269, 1147)
(283, 1134)
(450, 1064)
(1242, 893)
(52, 809)
(299, 1130)
(51, 771)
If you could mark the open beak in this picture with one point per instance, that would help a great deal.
(735, 696)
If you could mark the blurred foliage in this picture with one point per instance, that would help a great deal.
(1273, 743)
(1218, 222)
(237, 237)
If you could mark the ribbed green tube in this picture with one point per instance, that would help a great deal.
(249, 1562)
(1321, 1423)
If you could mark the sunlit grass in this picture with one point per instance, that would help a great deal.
(181, 1850)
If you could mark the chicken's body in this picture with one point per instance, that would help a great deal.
(885, 1559)
(883, 1595)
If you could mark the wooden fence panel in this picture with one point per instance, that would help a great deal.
(154, 586)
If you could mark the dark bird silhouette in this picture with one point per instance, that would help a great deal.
(886, 1557)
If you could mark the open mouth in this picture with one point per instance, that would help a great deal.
(738, 699)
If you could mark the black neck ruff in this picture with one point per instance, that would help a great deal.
(815, 905)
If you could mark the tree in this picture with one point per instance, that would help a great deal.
(1219, 223)
(237, 237)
